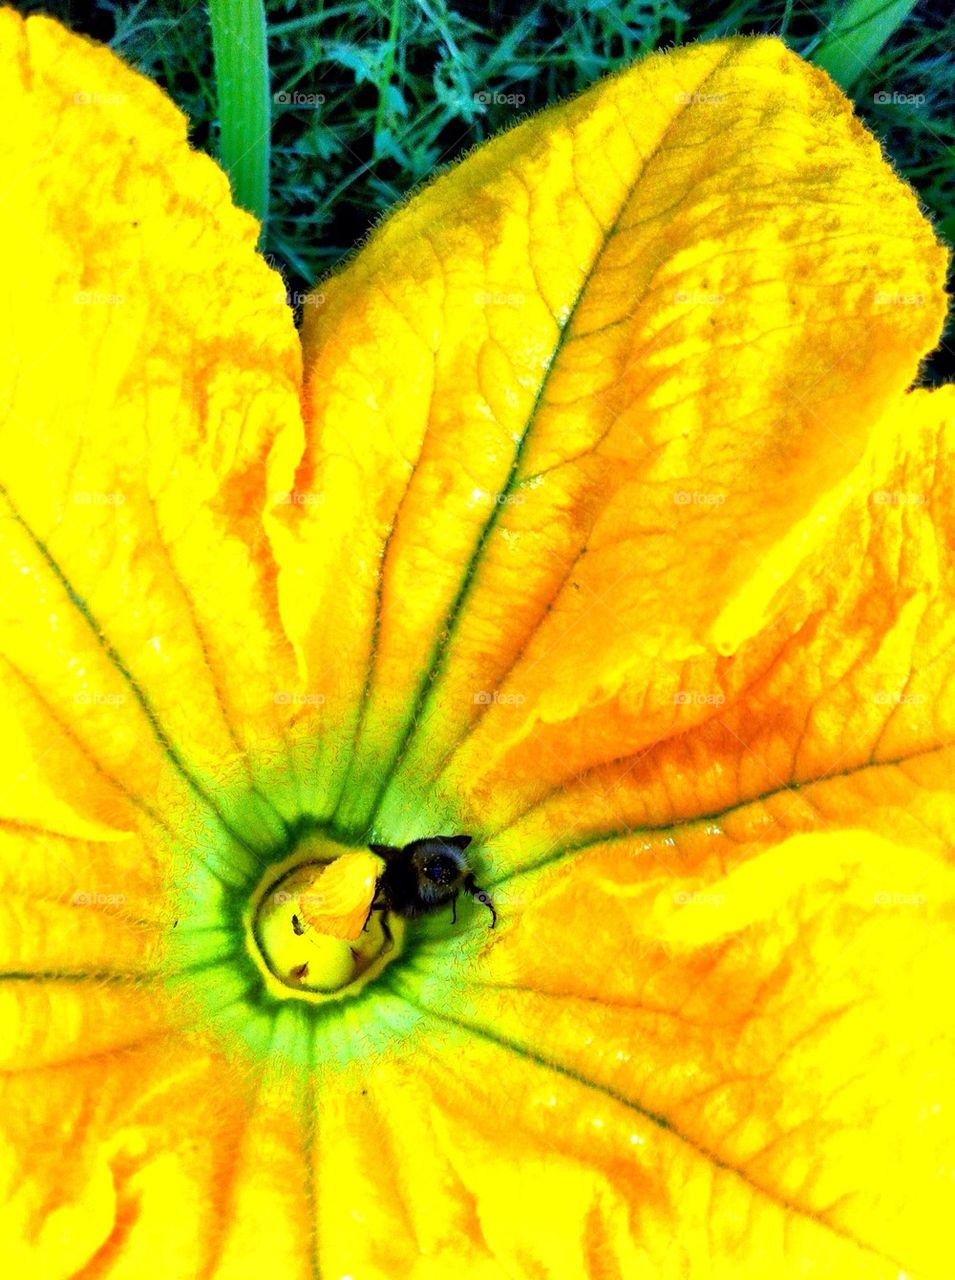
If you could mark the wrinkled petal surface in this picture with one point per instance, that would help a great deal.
(583, 407)
(612, 541)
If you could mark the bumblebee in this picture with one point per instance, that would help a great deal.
(337, 900)
(424, 875)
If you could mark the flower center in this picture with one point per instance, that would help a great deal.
(311, 926)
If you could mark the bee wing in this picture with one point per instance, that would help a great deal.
(337, 901)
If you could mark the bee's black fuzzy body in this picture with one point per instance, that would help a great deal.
(398, 889)
(424, 875)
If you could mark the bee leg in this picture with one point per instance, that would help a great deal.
(454, 909)
(478, 894)
(375, 903)
(386, 930)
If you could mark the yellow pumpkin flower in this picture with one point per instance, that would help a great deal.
(592, 517)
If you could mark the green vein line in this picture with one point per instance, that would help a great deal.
(446, 633)
(311, 1185)
(549, 1064)
(119, 663)
(626, 833)
(66, 975)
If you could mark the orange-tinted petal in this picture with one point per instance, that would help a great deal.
(143, 1163)
(671, 286)
(853, 682)
(749, 1044)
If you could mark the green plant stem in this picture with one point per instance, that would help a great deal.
(857, 35)
(388, 68)
(242, 86)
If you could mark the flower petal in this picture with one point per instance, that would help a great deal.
(672, 285)
(766, 1022)
(747, 948)
(853, 682)
(152, 1169)
(150, 375)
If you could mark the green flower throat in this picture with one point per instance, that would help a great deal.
(246, 965)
